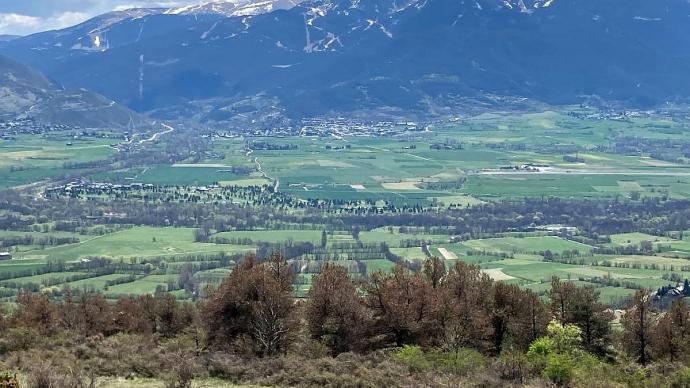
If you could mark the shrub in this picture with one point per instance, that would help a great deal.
(559, 369)
(593, 373)
(181, 376)
(413, 357)
(46, 375)
(8, 380)
(20, 338)
(182, 366)
(560, 339)
(681, 379)
(513, 366)
(461, 362)
(458, 362)
(566, 338)
(541, 347)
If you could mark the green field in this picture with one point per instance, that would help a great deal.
(31, 158)
(526, 245)
(146, 285)
(170, 175)
(395, 239)
(134, 242)
(636, 239)
(379, 265)
(39, 279)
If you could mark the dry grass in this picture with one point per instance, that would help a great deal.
(497, 274)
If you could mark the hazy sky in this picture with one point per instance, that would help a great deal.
(23, 17)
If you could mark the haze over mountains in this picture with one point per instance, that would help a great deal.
(280, 57)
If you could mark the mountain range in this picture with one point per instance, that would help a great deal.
(266, 58)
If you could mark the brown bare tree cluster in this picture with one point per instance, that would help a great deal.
(672, 335)
(460, 307)
(253, 308)
(90, 314)
(334, 313)
(650, 334)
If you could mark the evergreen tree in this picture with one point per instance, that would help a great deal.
(324, 239)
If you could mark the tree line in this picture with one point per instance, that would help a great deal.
(593, 218)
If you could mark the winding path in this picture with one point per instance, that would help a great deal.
(261, 171)
(156, 135)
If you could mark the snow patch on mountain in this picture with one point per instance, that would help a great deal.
(210, 30)
(647, 19)
(234, 8)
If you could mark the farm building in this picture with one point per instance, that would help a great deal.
(5, 256)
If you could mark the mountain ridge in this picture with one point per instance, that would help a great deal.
(418, 56)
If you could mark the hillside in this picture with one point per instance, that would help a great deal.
(26, 93)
